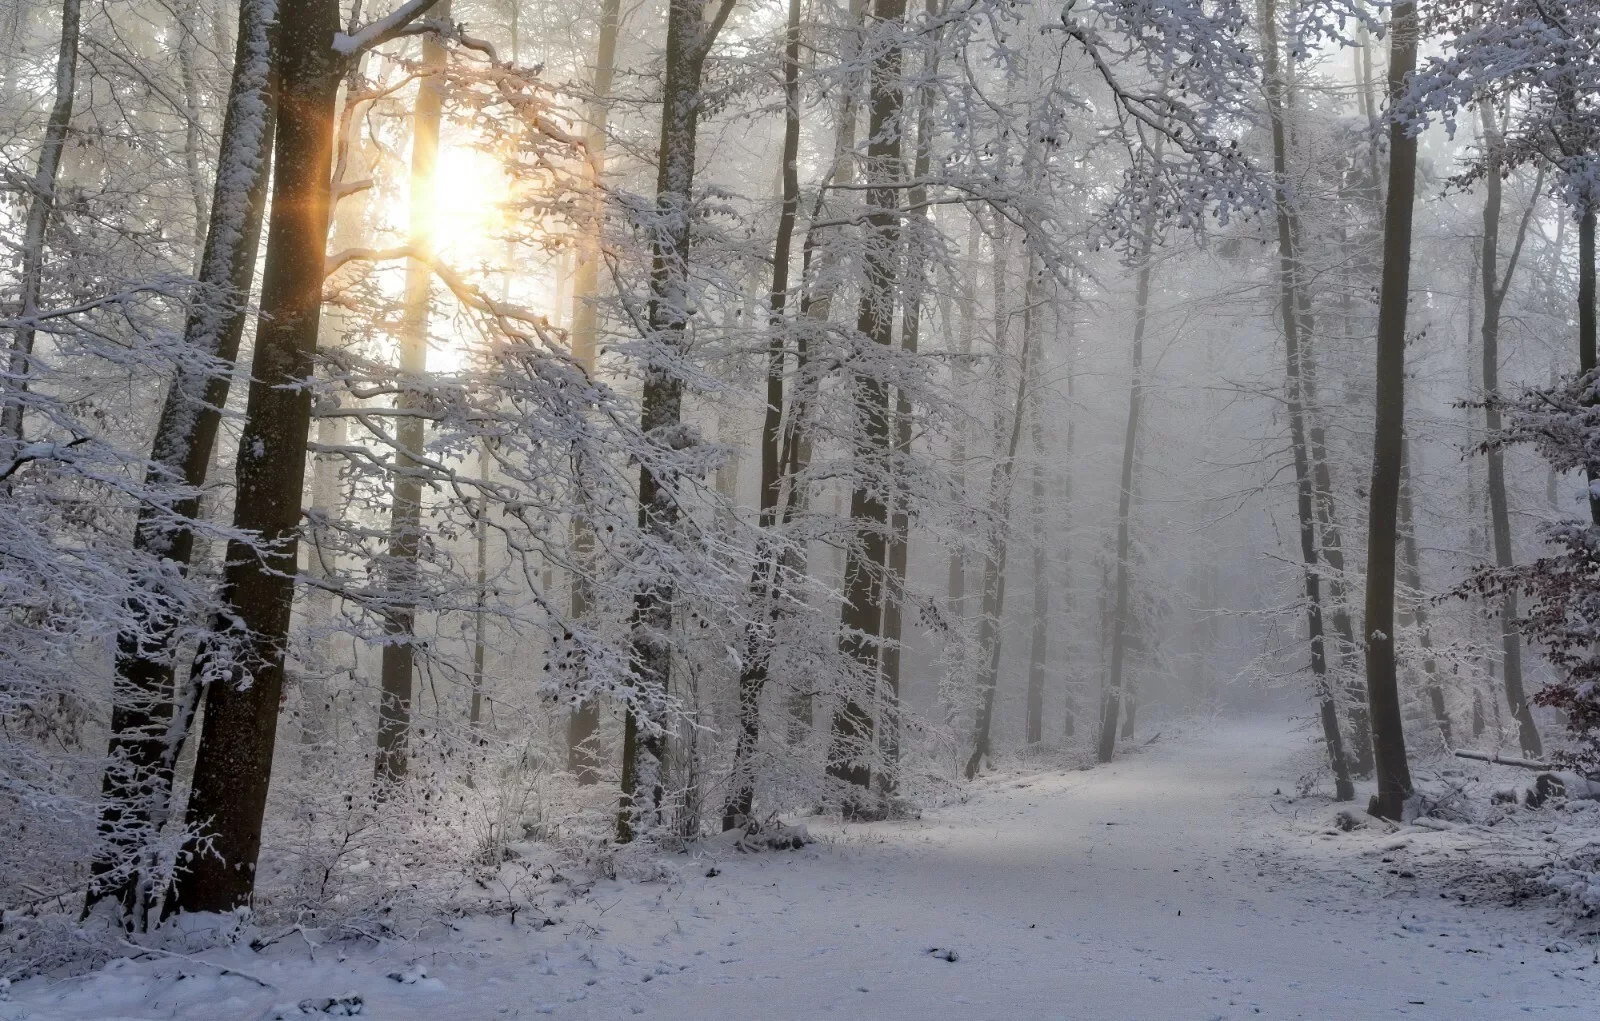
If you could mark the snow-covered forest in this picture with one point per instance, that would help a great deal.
(806, 470)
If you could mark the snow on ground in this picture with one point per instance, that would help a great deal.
(1186, 881)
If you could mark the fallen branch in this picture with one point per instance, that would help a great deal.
(1502, 760)
(222, 968)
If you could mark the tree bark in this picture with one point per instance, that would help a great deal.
(583, 722)
(391, 763)
(1586, 320)
(1289, 308)
(861, 618)
(967, 302)
(918, 242)
(1494, 293)
(1001, 481)
(1415, 609)
(145, 734)
(644, 746)
(350, 229)
(1039, 646)
(41, 205)
(241, 664)
(1383, 693)
(1112, 709)
(764, 594)
(1070, 723)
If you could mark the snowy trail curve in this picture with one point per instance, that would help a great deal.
(1170, 885)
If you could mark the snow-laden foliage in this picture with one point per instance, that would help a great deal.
(1563, 423)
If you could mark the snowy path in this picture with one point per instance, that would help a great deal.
(1171, 885)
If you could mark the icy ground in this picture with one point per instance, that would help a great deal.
(1187, 881)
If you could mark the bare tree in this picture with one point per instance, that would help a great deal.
(1383, 692)
(390, 764)
(1495, 284)
(690, 35)
(41, 204)
(1111, 708)
(583, 722)
(861, 618)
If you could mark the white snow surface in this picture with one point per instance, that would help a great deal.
(1172, 884)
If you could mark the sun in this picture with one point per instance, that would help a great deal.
(470, 193)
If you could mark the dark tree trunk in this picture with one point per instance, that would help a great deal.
(1586, 320)
(391, 762)
(918, 244)
(1383, 692)
(1289, 308)
(853, 734)
(764, 597)
(241, 665)
(143, 749)
(644, 746)
(1111, 710)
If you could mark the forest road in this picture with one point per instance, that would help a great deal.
(1173, 884)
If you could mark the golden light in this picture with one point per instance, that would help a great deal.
(470, 194)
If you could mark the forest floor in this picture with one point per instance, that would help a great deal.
(1186, 881)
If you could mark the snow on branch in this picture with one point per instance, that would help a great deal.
(378, 32)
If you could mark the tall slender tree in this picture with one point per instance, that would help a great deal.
(690, 36)
(405, 516)
(1383, 691)
(765, 596)
(853, 731)
(1289, 309)
(41, 207)
(1111, 707)
(1496, 284)
(583, 722)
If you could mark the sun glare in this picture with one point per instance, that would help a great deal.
(469, 196)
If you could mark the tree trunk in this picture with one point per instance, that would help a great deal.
(967, 301)
(994, 567)
(1586, 321)
(185, 21)
(1494, 294)
(1415, 609)
(1383, 693)
(583, 723)
(1112, 708)
(644, 747)
(918, 244)
(480, 529)
(350, 229)
(143, 749)
(853, 735)
(391, 763)
(1039, 647)
(242, 663)
(1289, 308)
(764, 595)
(1070, 723)
(41, 204)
